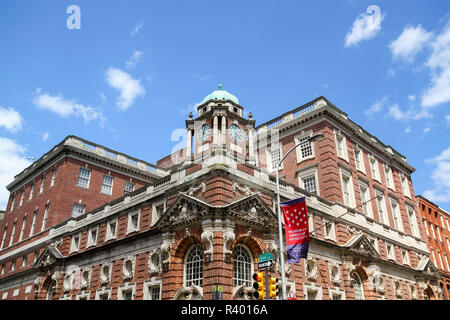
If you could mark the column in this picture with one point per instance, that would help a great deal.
(216, 131)
(189, 145)
(224, 131)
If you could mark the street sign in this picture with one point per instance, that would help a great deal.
(265, 264)
(265, 257)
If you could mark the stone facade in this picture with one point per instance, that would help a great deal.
(204, 214)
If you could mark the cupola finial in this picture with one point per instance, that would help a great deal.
(220, 86)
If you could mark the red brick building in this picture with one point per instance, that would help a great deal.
(201, 217)
(437, 226)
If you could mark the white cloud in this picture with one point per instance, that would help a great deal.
(408, 130)
(410, 42)
(439, 64)
(376, 107)
(412, 97)
(45, 136)
(365, 26)
(10, 119)
(129, 88)
(65, 108)
(440, 177)
(447, 118)
(12, 162)
(136, 29)
(391, 73)
(398, 114)
(426, 130)
(134, 59)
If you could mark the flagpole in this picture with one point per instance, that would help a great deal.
(280, 229)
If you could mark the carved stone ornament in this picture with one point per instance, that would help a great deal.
(228, 239)
(413, 290)
(193, 190)
(311, 269)
(129, 264)
(243, 293)
(335, 274)
(56, 244)
(398, 289)
(154, 261)
(85, 278)
(189, 293)
(287, 266)
(208, 238)
(376, 280)
(253, 212)
(67, 282)
(353, 230)
(237, 187)
(105, 273)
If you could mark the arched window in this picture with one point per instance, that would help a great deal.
(51, 290)
(194, 266)
(242, 266)
(357, 285)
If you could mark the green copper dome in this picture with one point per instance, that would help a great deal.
(220, 94)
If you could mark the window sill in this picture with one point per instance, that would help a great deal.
(106, 194)
(82, 187)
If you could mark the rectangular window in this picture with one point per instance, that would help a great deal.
(309, 184)
(21, 198)
(396, 215)
(374, 168)
(12, 203)
(390, 252)
(432, 229)
(77, 209)
(13, 265)
(44, 223)
(405, 257)
(4, 236)
(83, 178)
(275, 157)
(24, 261)
(111, 230)
(42, 184)
(330, 232)
(311, 295)
(127, 295)
(381, 209)
(155, 293)
(92, 237)
(310, 222)
(129, 187)
(11, 240)
(413, 222)
(405, 187)
(366, 206)
(346, 190)
(103, 296)
(31, 192)
(75, 246)
(24, 222)
(305, 147)
(107, 185)
(53, 177)
(133, 222)
(359, 161)
(33, 224)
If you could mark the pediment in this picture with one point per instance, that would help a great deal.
(184, 210)
(253, 210)
(427, 267)
(360, 245)
(49, 257)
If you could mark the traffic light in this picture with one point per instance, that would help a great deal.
(273, 287)
(258, 285)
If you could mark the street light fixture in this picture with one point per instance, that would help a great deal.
(280, 232)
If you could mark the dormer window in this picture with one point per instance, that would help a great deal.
(235, 109)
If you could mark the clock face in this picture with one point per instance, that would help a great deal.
(235, 133)
(203, 133)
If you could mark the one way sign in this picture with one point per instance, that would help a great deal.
(265, 264)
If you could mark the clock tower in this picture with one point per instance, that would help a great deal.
(220, 127)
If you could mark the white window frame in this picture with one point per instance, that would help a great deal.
(312, 287)
(130, 227)
(391, 254)
(405, 186)
(308, 173)
(336, 291)
(127, 183)
(384, 218)
(107, 186)
(42, 184)
(298, 150)
(103, 291)
(346, 174)
(13, 233)
(413, 221)
(405, 257)
(389, 177)
(155, 206)
(73, 247)
(331, 235)
(250, 264)
(82, 295)
(202, 279)
(12, 203)
(82, 178)
(31, 191)
(358, 153)
(108, 235)
(374, 242)
(46, 212)
(269, 152)
(22, 231)
(148, 285)
(310, 222)
(78, 205)
(396, 215)
(5, 231)
(125, 288)
(52, 183)
(340, 138)
(92, 242)
(21, 198)
(365, 196)
(373, 162)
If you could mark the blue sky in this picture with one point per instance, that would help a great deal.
(134, 70)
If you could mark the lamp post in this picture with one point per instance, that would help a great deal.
(280, 231)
